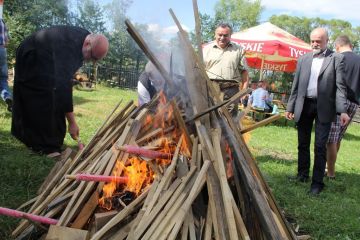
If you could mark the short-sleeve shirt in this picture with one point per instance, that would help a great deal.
(227, 63)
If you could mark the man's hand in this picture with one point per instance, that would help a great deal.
(344, 119)
(74, 130)
(289, 115)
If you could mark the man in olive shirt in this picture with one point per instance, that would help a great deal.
(226, 65)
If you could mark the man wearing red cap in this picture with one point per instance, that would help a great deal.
(45, 64)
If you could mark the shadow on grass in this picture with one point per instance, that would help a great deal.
(336, 205)
(278, 158)
(351, 137)
(80, 100)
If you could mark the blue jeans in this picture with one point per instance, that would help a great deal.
(4, 87)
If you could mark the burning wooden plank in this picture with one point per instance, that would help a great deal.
(144, 152)
(36, 218)
(97, 178)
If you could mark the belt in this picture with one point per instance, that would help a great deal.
(313, 99)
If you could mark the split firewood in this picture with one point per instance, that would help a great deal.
(65, 233)
(261, 123)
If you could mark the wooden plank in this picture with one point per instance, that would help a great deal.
(83, 192)
(208, 225)
(101, 219)
(196, 80)
(239, 222)
(181, 124)
(165, 179)
(226, 195)
(261, 123)
(142, 44)
(57, 167)
(191, 224)
(172, 205)
(65, 233)
(123, 232)
(160, 212)
(197, 29)
(85, 213)
(140, 216)
(254, 188)
(134, 205)
(196, 188)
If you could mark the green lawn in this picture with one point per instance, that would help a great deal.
(335, 214)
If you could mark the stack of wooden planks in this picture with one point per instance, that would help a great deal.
(209, 187)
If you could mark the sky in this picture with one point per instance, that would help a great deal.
(156, 14)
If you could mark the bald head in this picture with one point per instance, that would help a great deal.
(319, 39)
(95, 47)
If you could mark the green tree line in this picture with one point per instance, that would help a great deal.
(25, 17)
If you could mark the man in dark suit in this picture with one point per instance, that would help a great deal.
(318, 93)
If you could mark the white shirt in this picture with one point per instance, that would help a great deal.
(314, 75)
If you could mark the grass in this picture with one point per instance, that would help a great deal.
(335, 214)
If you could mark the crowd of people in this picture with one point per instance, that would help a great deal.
(325, 90)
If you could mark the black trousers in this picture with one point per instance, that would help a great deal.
(304, 127)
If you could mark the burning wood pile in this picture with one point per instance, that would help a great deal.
(152, 173)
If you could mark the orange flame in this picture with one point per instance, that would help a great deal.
(229, 167)
(139, 176)
(137, 170)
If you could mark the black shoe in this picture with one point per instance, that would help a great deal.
(315, 190)
(9, 103)
(298, 178)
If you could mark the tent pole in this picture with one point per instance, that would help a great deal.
(262, 67)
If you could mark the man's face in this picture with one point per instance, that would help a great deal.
(318, 40)
(222, 36)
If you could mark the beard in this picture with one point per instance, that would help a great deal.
(317, 50)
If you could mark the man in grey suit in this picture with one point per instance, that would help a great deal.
(318, 93)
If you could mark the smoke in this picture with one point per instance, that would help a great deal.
(169, 52)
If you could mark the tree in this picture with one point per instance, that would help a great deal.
(91, 16)
(123, 50)
(207, 27)
(299, 27)
(25, 17)
(302, 27)
(241, 14)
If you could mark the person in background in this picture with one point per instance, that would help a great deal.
(45, 64)
(318, 93)
(150, 82)
(226, 65)
(352, 77)
(260, 98)
(5, 92)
